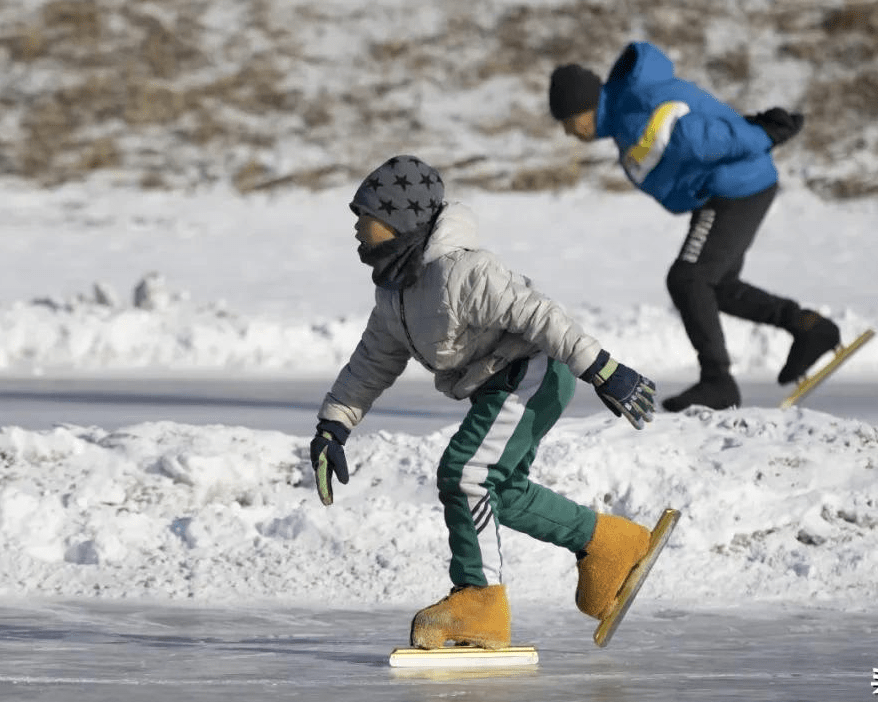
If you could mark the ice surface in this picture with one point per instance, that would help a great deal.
(91, 651)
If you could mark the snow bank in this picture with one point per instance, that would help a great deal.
(163, 328)
(777, 505)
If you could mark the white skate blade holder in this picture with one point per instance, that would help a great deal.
(464, 657)
(473, 657)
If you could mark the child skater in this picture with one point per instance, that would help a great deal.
(489, 337)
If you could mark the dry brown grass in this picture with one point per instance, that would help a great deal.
(844, 188)
(856, 17)
(731, 67)
(853, 99)
(546, 178)
(669, 25)
(137, 86)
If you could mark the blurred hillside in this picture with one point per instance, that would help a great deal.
(276, 93)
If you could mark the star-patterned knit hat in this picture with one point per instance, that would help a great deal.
(404, 193)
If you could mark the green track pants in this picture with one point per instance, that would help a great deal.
(483, 475)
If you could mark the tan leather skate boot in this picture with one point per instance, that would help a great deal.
(472, 615)
(617, 545)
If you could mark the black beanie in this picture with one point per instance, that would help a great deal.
(573, 89)
(404, 193)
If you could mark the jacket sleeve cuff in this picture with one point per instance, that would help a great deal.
(590, 372)
(338, 430)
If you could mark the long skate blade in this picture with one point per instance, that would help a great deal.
(636, 577)
(463, 657)
(811, 383)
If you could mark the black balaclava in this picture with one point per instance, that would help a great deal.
(407, 195)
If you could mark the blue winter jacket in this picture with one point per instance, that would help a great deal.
(677, 142)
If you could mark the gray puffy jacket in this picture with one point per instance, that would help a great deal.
(466, 318)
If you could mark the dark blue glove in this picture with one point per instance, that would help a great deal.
(779, 124)
(327, 457)
(622, 389)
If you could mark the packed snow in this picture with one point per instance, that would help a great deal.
(187, 277)
(117, 280)
(777, 505)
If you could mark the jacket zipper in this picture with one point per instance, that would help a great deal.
(408, 335)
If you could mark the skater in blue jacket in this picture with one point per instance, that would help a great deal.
(695, 154)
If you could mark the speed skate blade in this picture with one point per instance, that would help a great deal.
(636, 577)
(464, 657)
(812, 382)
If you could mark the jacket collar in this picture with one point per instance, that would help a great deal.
(456, 228)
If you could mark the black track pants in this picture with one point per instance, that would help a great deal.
(704, 280)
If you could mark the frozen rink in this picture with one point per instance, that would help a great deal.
(98, 650)
(105, 652)
(290, 406)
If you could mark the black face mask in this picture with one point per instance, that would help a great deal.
(396, 263)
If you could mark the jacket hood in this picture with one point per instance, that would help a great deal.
(640, 64)
(455, 228)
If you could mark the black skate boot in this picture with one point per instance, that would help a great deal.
(715, 391)
(813, 336)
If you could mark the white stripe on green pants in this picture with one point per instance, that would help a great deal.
(483, 476)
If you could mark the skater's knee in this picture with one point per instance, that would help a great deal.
(730, 294)
(680, 277)
(456, 487)
(684, 277)
(449, 488)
